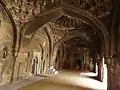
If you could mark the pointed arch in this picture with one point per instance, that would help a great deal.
(57, 44)
(56, 12)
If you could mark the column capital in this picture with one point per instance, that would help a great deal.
(112, 61)
(108, 59)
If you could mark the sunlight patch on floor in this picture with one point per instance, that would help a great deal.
(89, 74)
(68, 80)
(83, 82)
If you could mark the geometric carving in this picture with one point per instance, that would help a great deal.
(97, 8)
(24, 11)
(66, 26)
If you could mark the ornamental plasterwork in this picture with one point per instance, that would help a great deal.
(24, 11)
(98, 8)
(66, 26)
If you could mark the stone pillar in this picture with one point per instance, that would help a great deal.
(60, 59)
(100, 67)
(20, 66)
(29, 63)
(113, 73)
(94, 62)
(53, 57)
(83, 63)
(64, 57)
(7, 68)
(110, 78)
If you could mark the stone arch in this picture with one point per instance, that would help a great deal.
(37, 55)
(56, 12)
(57, 44)
(40, 46)
(70, 37)
(50, 42)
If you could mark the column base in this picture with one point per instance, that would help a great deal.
(113, 78)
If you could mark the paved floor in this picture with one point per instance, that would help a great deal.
(22, 83)
(67, 80)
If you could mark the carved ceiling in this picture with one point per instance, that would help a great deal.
(98, 8)
(77, 46)
(78, 51)
(78, 43)
(68, 22)
(24, 11)
(66, 26)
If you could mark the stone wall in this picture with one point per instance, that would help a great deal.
(6, 42)
(22, 65)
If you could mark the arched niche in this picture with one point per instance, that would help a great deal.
(37, 59)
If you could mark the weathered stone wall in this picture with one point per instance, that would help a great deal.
(6, 42)
(23, 12)
(21, 66)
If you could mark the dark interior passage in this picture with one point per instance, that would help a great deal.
(39, 37)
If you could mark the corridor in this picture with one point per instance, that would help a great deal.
(67, 80)
(77, 38)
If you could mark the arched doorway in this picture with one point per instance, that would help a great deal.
(37, 60)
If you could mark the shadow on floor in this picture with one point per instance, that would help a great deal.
(49, 85)
(67, 80)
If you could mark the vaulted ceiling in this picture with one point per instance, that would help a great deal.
(62, 19)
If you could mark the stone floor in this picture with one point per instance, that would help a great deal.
(67, 80)
(22, 83)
